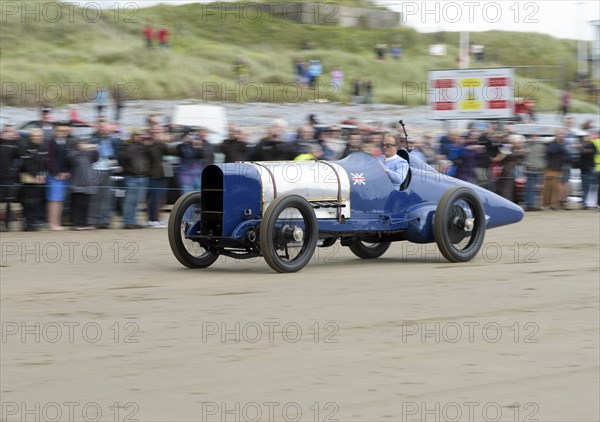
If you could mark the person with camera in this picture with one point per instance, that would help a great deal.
(195, 152)
(273, 146)
(235, 147)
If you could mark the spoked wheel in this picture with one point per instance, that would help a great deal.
(288, 233)
(185, 213)
(459, 226)
(366, 250)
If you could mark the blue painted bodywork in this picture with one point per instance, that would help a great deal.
(376, 207)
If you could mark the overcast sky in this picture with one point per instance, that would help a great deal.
(564, 19)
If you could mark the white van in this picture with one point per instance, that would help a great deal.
(211, 117)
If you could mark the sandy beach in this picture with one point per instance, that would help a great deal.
(107, 325)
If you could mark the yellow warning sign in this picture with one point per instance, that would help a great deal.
(471, 83)
(470, 105)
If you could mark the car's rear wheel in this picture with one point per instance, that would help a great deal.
(185, 214)
(288, 233)
(366, 250)
(328, 242)
(459, 226)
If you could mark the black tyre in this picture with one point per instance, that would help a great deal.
(368, 250)
(459, 226)
(288, 233)
(185, 213)
(328, 242)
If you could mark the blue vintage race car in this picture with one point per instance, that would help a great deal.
(283, 210)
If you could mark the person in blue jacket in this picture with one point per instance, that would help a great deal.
(314, 71)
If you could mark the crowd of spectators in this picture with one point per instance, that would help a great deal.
(534, 171)
(49, 167)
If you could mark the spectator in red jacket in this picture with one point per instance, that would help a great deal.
(163, 38)
(148, 35)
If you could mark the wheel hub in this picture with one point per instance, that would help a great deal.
(459, 225)
(297, 234)
(293, 233)
(469, 224)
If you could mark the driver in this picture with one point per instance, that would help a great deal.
(395, 166)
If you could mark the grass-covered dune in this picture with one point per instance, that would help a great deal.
(48, 60)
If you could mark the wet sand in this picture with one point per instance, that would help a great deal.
(109, 321)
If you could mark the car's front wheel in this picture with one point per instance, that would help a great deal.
(288, 233)
(459, 226)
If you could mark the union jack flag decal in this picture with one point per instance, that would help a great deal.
(358, 179)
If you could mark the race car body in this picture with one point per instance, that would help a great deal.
(283, 210)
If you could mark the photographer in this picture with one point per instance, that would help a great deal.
(195, 153)
(273, 147)
(235, 146)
